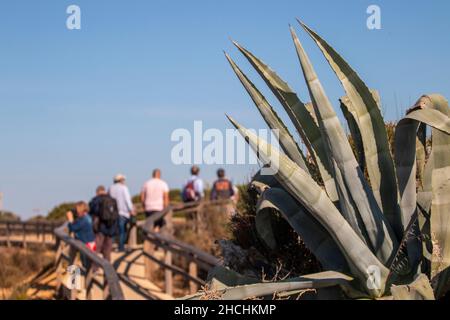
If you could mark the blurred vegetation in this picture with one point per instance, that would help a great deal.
(59, 212)
(37, 219)
(17, 265)
(291, 254)
(8, 216)
(203, 228)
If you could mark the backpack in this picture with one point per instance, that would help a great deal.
(108, 212)
(189, 193)
(223, 189)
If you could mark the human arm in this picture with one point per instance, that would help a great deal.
(143, 197)
(77, 224)
(166, 198)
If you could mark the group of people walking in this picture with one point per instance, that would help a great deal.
(111, 211)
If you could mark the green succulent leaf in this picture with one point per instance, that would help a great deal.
(300, 117)
(420, 289)
(287, 142)
(315, 237)
(305, 190)
(356, 199)
(313, 281)
(378, 159)
(352, 121)
(431, 110)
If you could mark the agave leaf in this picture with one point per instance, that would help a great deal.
(264, 226)
(405, 160)
(305, 190)
(300, 117)
(261, 182)
(440, 204)
(313, 281)
(420, 289)
(405, 265)
(405, 154)
(315, 237)
(421, 152)
(376, 227)
(440, 226)
(287, 142)
(437, 113)
(220, 278)
(352, 119)
(424, 195)
(310, 107)
(427, 111)
(380, 165)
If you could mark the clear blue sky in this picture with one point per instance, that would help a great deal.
(76, 107)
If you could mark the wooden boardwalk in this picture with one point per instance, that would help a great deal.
(146, 272)
(131, 272)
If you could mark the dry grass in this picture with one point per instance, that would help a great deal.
(204, 228)
(17, 266)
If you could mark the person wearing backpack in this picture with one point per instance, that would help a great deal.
(193, 189)
(104, 213)
(222, 188)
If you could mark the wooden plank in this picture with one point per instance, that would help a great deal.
(149, 251)
(132, 237)
(89, 282)
(24, 241)
(8, 235)
(176, 269)
(193, 272)
(168, 275)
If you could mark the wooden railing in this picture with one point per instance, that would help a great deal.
(23, 233)
(68, 251)
(177, 258)
(160, 251)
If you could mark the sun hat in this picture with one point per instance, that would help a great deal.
(119, 177)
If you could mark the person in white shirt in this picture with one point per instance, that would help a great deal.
(155, 197)
(119, 191)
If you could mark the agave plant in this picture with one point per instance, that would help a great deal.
(383, 233)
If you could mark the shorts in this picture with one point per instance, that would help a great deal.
(158, 223)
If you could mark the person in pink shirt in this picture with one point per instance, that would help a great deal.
(155, 197)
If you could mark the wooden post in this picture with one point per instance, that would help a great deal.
(73, 294)
(168, 275)
(89, 281)
(59, 266)
(193, 271)
(149, 249)
(43, 233)
(24, 240)
(8, 231)
(106, 294)
(132, 238)
(169, 222)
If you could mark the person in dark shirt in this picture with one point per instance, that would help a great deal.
(105, 228)
(222, 188)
